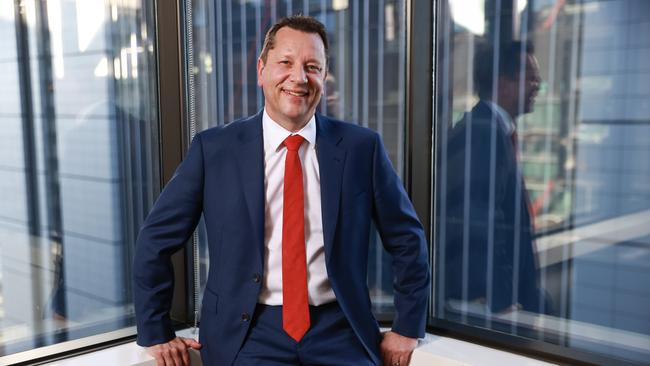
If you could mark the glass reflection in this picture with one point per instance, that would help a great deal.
(78, 166)
(489, 213)
(542, 200)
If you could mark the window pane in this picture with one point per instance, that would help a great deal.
(542, 196)
(78, 168)
(365, 84)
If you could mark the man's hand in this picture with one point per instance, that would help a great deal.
(174, 352)
(396, 349)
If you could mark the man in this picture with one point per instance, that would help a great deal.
(288, 197)
(490, 256)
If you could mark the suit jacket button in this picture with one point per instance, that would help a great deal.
(257, 278)
(245, 317)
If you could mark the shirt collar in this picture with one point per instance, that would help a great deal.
(274, 134)
(507, 122)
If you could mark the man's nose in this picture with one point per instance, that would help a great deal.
(298, 74)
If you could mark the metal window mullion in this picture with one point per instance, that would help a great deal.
(438, 243)
(416, 82)
(28, 125)
(191, 120)
(380, 67)
(173, 131)
(244, 58)
(231, 64)
(123, 124)
(52, 191)
(219, 64)
(258, 47)
(274, 11)
(323, 99)
(365, 57)
(342, 64)
(492, 179)
(404, 32)
(547, 149)
(355, 64)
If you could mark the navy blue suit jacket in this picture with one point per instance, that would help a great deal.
(495, 224)
(222, 177)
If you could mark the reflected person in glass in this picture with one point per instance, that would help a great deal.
(288, 197)
(490, 251)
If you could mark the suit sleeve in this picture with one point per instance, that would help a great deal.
(168, 226)
(403, 237)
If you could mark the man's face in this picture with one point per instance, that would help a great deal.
(517, 96)
(292, 77)
(531, 83)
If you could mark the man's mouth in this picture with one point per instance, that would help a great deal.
(296, 93)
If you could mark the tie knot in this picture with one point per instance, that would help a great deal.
(293, 142)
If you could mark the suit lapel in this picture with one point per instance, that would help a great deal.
(331, 158)
(250, 154)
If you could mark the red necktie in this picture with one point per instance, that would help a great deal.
(295, 305)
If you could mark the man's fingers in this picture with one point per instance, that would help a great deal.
(156, 353)
(181, 354)
(189, 342)
(392, 357)
(176, 356)
(397, 358)
(167, 358)
(159, 359)
(185, 357)
(174, 352)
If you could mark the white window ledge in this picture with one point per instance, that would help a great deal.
(433, 350)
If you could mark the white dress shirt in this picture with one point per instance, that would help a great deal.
(319, 287)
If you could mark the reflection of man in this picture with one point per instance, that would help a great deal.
(489, 227)
(288, 197)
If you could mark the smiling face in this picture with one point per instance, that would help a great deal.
(512, 90)
(292, 77)
(532, 83)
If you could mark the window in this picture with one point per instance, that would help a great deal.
(541, 198)
(365, 84)
(78, 169)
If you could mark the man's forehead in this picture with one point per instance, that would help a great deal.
(286, 36)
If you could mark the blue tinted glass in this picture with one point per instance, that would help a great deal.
(542, 198)
(78, 165)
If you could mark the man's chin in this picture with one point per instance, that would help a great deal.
(296, 115)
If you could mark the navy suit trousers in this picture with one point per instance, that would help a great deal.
(329, 341)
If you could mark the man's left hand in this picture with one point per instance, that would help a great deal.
(396, 349)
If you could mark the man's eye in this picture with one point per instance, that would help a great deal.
(313, 68)
(284, 62)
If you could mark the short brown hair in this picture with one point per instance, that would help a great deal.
(508, 55)
(298, 22)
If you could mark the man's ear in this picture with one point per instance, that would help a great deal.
(260, 68)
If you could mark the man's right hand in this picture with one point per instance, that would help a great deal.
(174, 352)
